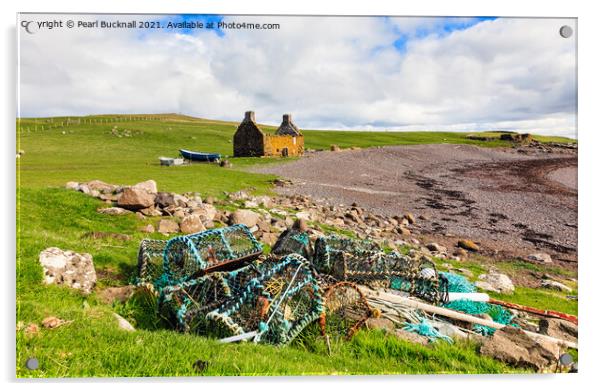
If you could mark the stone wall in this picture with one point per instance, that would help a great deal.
(248, 139)
(275, 144)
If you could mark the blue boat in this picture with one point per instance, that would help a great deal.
(200, 156)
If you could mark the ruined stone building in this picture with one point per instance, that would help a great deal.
(249, 140)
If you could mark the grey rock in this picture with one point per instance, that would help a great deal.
(191, 224)
(168, 226)
(539, 258)
(513, 346)
(123, 324)
(244, 216)
(496, 282)
(551, 284)
(135, 199)
(114, 211)
(64, 267)
(149, 186)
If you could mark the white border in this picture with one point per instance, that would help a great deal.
(589, 195)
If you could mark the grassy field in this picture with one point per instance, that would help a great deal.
(49, 216)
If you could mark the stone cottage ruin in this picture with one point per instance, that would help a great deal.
(249, 140)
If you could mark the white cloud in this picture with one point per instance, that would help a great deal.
(330, 72)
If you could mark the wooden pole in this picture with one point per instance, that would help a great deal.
(432, 309)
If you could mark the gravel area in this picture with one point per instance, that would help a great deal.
(511, 203)
(566, 175)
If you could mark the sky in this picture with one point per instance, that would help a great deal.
(381, 73)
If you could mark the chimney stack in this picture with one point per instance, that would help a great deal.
(250, 116)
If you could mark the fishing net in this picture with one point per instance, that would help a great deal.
(150, 261)
(186, 304)
(293, 241)
(191, 256)
(346, 310)
(496, 312)
(278, 304)
(363, 261)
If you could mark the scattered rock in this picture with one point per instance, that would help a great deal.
(238, 196)
(460, 252)
(539, 258)
(551, 284)
(72, 186)
(435, 247)
(449, 330)
(410, 218)
(168, 226)
(206, 212)
(559, 328)
(495, 282)
(150, 212)
(191, 224)
(301, 225)
(269, 238)
(68, 268)
(53, 322)
(121, 294)
(468, 245)
(31, 329)
(244, 216)
(513, 346)
(123, 324)
(101, 187)
(164, 199)
(149, 186)
(335, 148)
(149, 229)
(411, 337)
(135, 198)
(380, 323)
(114, 211)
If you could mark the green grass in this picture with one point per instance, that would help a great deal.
(92, 345)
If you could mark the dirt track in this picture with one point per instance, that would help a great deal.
(512, 203)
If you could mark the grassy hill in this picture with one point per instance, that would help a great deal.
(125, 150)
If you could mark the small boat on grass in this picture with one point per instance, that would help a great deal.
(200, 156)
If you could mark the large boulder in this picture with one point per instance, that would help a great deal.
(559, 328)
(101, 186)
(555, 285)
(468, 245)
(135, 198)
(244, 216)
(206, 212)
(513, 346)
(191, 224)
(168, 226)
(495, 282)
(149, 186)
(64, 267)
(164, 199)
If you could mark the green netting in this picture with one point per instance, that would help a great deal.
(498, 313)
(150, 261)
(457, 283)
(293, 242)
(186, 257)
(426, 329)
(363, 261)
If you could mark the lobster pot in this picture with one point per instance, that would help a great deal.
(187, 304)
(293, 242)
(278, 304)
(329, 251)
(150, 262)
(187, 257)
(363, 262)
(346, 310)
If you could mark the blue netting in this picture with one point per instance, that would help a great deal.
(458, 283)
(426, 329)
(498, 313)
